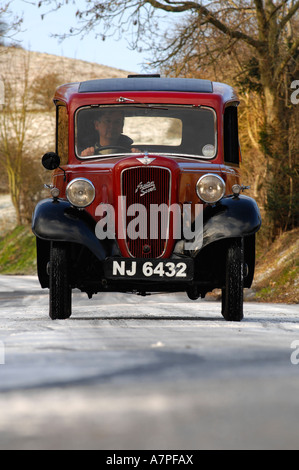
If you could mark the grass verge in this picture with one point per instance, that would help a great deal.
(18, 252)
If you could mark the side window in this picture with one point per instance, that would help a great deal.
(62, 142)
(231, 139)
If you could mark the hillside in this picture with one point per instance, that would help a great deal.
(70, 70)
(277, 272)
(45, 73)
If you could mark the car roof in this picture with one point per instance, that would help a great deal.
(148, 87)
(145, 83)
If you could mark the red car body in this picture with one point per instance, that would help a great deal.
(223, 256)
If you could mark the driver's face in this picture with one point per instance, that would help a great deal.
(110, 126)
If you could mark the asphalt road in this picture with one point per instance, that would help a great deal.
(152, 373)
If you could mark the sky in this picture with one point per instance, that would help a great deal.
(36, 36)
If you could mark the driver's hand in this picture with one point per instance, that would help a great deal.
(88, 152)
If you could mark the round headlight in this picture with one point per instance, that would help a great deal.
(80, 192)
(210, 188)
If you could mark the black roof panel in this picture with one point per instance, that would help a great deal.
(190, 85)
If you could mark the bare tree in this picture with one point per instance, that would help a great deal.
(43, 89)
(14, 122)
(9, 24)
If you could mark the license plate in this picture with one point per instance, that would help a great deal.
(166, 270)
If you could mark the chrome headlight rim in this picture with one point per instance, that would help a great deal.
(219, 197)
(75, 203)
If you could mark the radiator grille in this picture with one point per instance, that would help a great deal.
(146, 186)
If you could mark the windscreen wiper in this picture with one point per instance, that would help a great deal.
(122, 99)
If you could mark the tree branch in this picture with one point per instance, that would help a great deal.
(290, 15)
(287, 58)
(278, 7)
(261, 19)
(211, 18)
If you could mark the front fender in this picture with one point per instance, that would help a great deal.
(232, 217)
(57, 220)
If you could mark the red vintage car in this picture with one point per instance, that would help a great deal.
(146, 193)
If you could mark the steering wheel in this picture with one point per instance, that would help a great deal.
(119, 147)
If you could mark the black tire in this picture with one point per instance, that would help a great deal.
(232, 293)
(60, 288)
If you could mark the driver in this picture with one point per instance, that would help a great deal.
(109, 126)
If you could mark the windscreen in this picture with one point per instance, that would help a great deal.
(169, 130)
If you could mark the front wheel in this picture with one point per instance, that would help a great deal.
(60, 288)
(232, 293)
